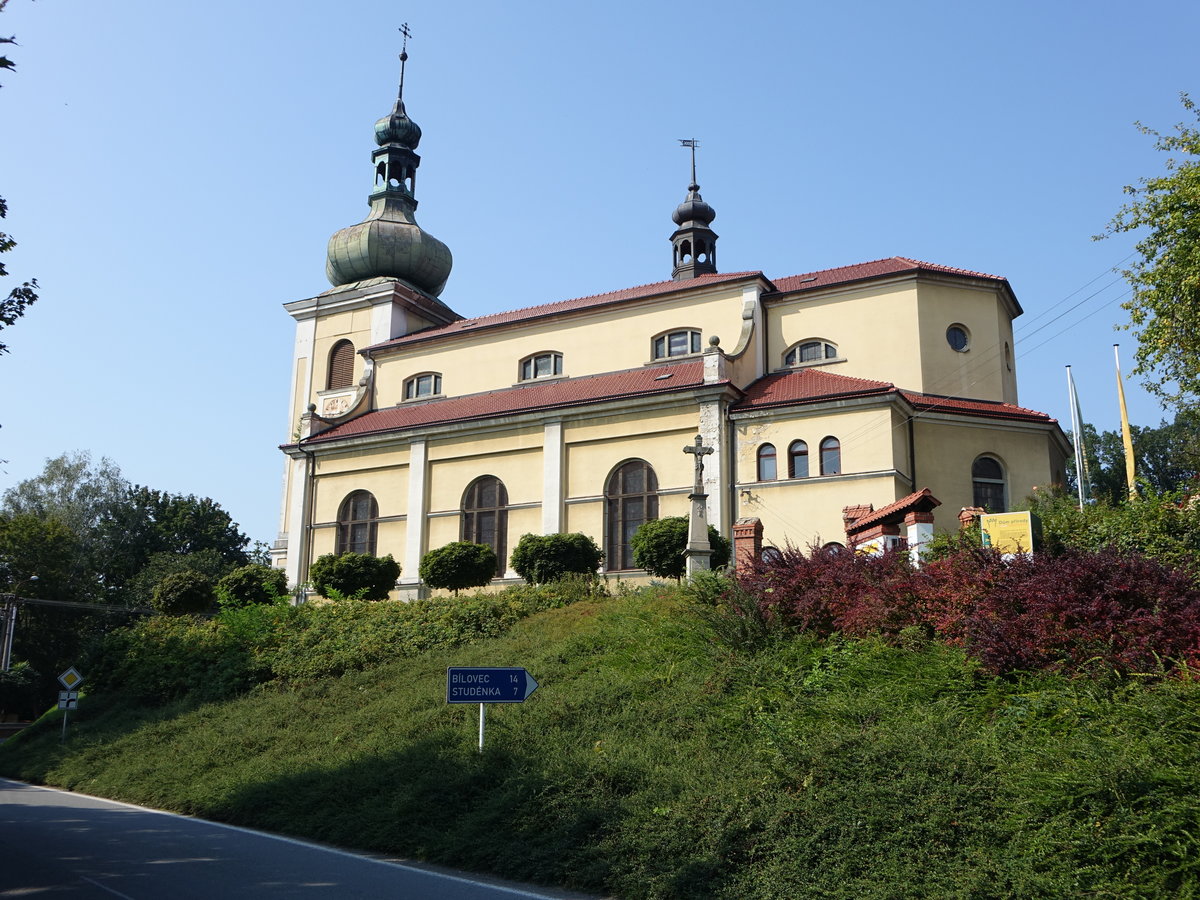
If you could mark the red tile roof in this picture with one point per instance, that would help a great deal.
(922, 501)
(531, 313)
(812, 385)
(808, 386)
(542, 395)
(863, 271)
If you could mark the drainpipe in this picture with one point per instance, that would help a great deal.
(912, 452)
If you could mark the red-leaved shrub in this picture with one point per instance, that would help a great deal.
(840, 591)
(1125, 611)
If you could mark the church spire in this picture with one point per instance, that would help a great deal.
(389, 243)
(694, 244)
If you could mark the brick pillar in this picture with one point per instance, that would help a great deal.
(968, 515)
(747, 542)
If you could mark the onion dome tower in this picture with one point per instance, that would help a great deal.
(389, 243)
(694, 244)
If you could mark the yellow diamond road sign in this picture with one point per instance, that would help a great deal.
(70, 678)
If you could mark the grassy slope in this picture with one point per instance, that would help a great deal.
(652, 763)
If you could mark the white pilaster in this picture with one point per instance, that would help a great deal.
(297, 526)
(552, 478)
(713, 433)
(418, 501)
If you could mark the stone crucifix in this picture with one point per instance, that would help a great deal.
(698, 450)
(698, 548)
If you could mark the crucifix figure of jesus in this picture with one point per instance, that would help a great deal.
(698, 450)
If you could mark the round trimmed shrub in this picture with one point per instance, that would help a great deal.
(354, 576)
(659, 546)
(182, 593)
(543, 558)
(459, 565)
(252, 584)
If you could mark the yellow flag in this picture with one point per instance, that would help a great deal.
(1126, 435)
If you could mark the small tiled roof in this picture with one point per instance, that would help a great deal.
(539, 395)
(813, 385)
(530, 313)
(808, 386)
(921, 501)
(878, 268)
(990, 408)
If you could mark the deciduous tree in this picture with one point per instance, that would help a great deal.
(1165, 307)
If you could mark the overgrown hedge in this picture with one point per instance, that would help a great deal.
(163, 658)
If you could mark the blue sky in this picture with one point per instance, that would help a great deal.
(173, 172)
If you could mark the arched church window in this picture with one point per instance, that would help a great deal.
(766, 468)
(988, 483)
(798, 460)
(630, 500)
(831, 456)
(357, 523)
(428, 384)
(341, 366)
(485, 517)
(810, 351)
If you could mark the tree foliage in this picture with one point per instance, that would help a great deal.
(458, 565)
(1165, 307)
(659, 547)
(24, 295)
(123, 533)
(354, 575)
(46, 548)
(147, 522)
(1167, 458)
(543, 558)
(181, 593)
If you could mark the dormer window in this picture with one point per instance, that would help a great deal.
(541, 365)
(426, 385)
(810, 352)
(676, 343)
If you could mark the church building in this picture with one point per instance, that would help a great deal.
(839, 389)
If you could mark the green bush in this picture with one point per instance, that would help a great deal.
(182, 593)
(659, 546)
(1163, 526)
(252, 584)
(458, 565)
(166, 658)
(357, 576)
(542, 558)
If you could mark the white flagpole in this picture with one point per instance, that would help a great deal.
(1077, 435)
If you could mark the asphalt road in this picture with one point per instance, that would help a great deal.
(58, 844)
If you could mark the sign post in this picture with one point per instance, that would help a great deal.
(68, 699)
(488, 685)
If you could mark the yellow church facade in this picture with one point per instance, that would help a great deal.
(413, 427)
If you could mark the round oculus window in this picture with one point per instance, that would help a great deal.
(957, 338)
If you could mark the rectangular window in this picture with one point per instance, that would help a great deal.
(678, 343)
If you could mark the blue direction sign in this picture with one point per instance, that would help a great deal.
(492, 685)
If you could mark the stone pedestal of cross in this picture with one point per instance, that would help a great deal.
(698, 549)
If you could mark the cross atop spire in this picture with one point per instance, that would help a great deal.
(404, 58)
(692, 144)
